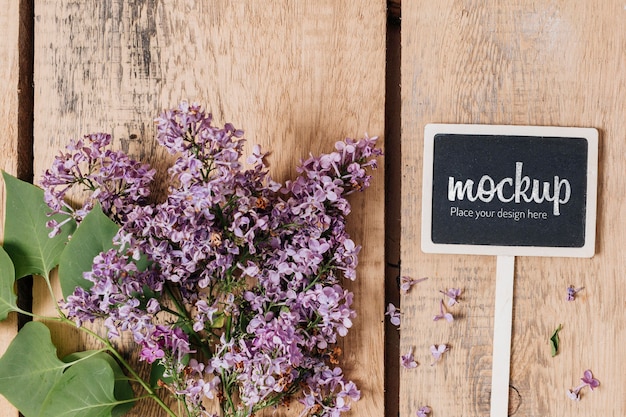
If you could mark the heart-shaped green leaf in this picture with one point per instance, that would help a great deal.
(26, 237)
(94, 235)
(30, 369)
(8, 299)
(39, 384)
(122, 391)
(84, 390)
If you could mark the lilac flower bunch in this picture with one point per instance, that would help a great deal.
(233, 282)
(113, 179)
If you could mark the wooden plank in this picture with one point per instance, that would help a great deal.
(296, 76)
(9, 149)
(516, 62)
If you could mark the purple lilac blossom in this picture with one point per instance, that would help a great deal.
(116, 181)
(406, 283)
(242, 269)
(437, 352)
(408, 360)
(453, 295)
(443, 314)
(572, 291)
(423, 411)
(587, 381)
(394, 314)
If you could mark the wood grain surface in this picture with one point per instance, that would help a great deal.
(9, 139)
(554, 63)
(296, 76)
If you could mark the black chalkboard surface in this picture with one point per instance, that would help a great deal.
(516, 190)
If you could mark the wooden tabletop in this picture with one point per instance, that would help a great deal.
(523, 63)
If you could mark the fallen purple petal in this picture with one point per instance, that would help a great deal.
(443, 314)
(423, 411)
(406, 283)
(572, 291)
(394, 314)
(453, 295)
(408, 361)
(437, 352)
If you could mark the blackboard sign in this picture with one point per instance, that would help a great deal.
(509, 190)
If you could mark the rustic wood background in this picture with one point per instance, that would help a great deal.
(296, 76)
(16, 131)
(299, 75)
(555, 63)
(9, 74)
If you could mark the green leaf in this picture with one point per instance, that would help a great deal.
(94, 235)
(30, 368)
(218, 321)
(84, 390)
(157, 371)
(122, 389)
(26, 238)
(39, 384)
(8, 299)
(554, 341)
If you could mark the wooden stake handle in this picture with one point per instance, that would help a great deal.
(503, 322)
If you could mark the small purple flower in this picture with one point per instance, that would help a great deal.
(437, 352)
(151, 353)
(443, 314)
(423, 411)
(453, 295)
(572, 291)
(394, 314)
(587, 381)
(407, 282)
(408, 361)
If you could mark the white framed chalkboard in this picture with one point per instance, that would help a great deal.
(509, 190)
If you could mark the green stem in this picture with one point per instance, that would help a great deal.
(184, 315)
(150, 392)
(226, 385)
(35, 316)
(229, 324)
(173, 312)
(46, 278)
(177, 303)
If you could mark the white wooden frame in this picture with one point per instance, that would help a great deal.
(590, 134)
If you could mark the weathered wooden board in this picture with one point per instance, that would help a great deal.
(532, 63)
(296, 76)
(9, 139)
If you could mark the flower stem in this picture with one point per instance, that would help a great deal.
(226, 385)
(150, 392)
(183, 314)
